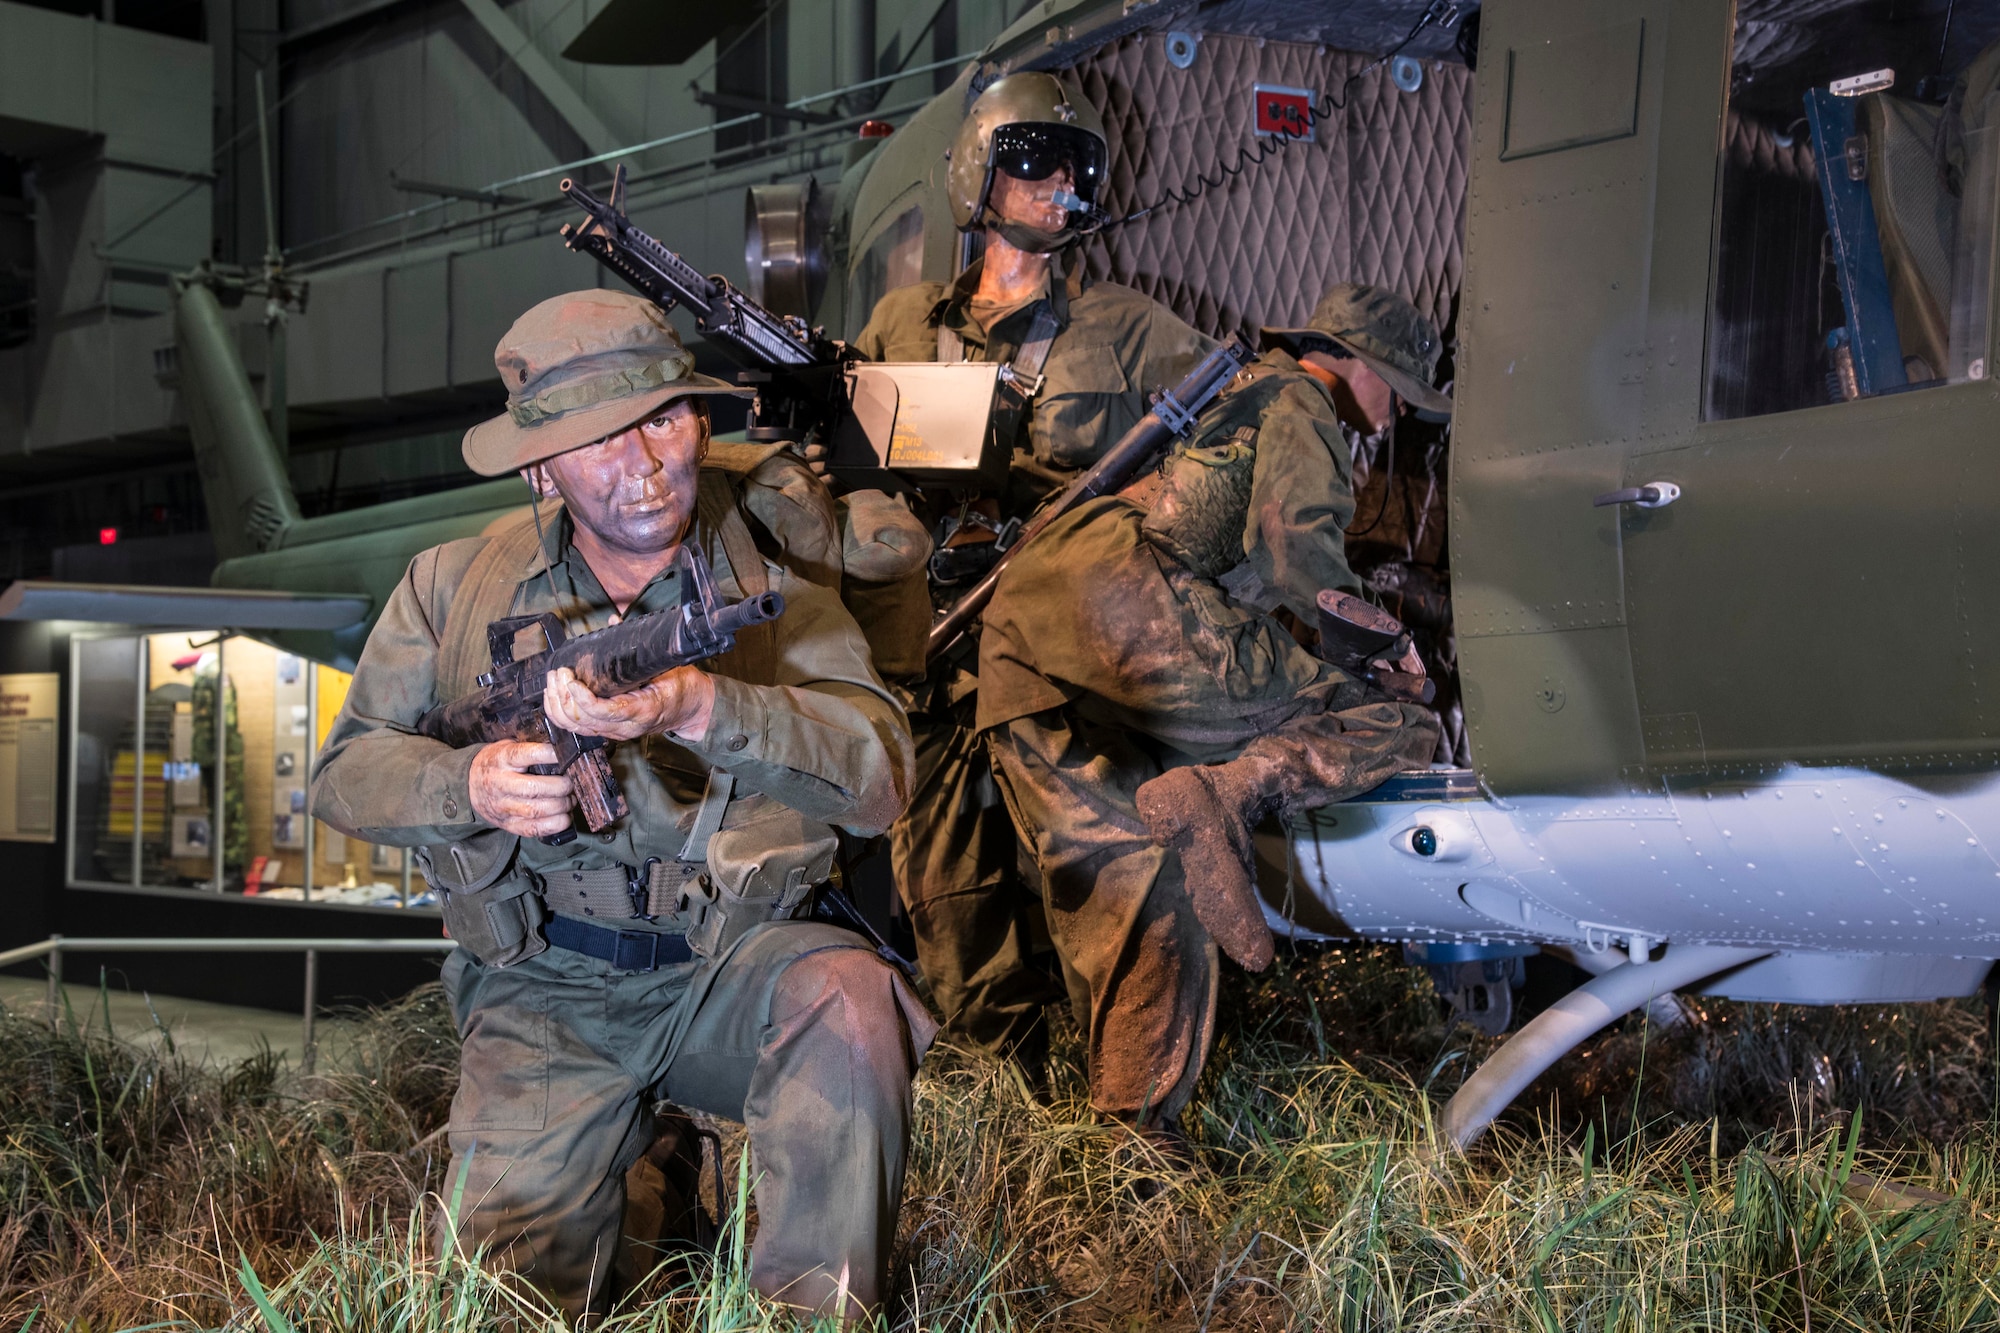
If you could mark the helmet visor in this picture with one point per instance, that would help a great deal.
(1035, 152)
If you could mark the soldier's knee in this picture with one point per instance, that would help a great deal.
(853, 980)
(853, 995)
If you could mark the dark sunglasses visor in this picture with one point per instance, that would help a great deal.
(1037, 152)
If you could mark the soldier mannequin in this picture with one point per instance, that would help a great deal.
(583, 989)
(1146, 701)
(1025, 139)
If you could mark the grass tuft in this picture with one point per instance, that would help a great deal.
(1765, 1168)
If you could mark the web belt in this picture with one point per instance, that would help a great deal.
(616, 892)
(653, 889)
(626, 950)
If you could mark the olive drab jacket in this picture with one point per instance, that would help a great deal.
(1292, 536)
(1113, 346)
(800, 714)
(1162, 611)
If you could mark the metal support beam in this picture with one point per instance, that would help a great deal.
(762, 107)
(308, 1038)
(540, 72)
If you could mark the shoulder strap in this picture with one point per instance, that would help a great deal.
(1034, 353)
(485, 594)
(719, 520)
(951, 347)
(741, 459)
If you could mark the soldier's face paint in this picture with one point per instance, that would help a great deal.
(635, 490)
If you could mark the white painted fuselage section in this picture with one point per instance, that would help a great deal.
(1870, 886)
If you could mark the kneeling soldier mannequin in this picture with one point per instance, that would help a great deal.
(576, 1014)
(1146, 705)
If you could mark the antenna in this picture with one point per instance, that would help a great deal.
(278, 415)
(271, 256)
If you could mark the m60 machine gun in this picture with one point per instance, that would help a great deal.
(921, 422)
(795, 369)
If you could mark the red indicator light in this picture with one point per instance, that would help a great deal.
(107, 536)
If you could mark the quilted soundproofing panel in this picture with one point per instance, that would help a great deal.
(1377, 197)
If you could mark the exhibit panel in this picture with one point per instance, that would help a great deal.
(158, 804)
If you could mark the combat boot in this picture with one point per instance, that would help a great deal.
(1207, 813)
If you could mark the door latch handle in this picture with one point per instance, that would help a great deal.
(1653, 495)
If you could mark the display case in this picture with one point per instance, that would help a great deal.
(189, 758)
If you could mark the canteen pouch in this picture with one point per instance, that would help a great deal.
(489, 902)
(763, 864)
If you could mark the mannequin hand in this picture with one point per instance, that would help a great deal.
(680, 702)
(507, 796)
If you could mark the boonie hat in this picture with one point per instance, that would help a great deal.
(1382, 331)
(579, 368)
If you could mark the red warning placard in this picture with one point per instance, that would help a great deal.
(1281, 110)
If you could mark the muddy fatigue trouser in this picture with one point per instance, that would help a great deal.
(1163, 670)
(802, 1033)
(954, 857)
(1141, 969)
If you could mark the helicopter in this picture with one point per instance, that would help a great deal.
(1718, 282)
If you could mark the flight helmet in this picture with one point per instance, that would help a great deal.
(1028, 125)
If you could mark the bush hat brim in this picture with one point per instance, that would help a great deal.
(580, 368)
(1384, 332)
(1424, 400)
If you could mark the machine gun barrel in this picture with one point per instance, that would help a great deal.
(1172, 415)
(751, 335)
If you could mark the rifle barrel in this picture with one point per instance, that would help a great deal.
(1118, 466)
(609, 661)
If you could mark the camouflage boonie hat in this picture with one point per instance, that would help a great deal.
(1382, 331)
(579, 368)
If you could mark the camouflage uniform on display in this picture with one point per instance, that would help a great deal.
(793, 1027)
(954, 852)
(1134, 638)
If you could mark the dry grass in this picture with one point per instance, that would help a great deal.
(1714, 1178)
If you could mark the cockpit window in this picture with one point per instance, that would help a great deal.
(1854, 249)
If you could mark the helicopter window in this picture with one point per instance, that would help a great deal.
(1855, 235)
(146, 812)
(895, 258)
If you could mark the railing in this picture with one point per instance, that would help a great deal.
(54, 946)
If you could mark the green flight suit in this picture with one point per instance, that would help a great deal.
(955, 853)
(799, 1030)
(1106, 660)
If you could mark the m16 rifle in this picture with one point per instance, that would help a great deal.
(796, 370)
(508, 706)
(1172, 414)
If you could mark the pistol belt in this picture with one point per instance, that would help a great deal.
(613, 893)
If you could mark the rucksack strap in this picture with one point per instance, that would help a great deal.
(719, 519)
(486, 593)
